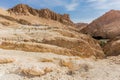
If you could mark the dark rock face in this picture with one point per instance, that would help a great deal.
(22, 9)
(106, 26)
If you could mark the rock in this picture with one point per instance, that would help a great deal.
(106, 26)
(24, 22)
(83, 46)
(22, 9)
(112, 48)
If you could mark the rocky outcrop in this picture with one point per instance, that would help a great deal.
(22, 9)
(106, 26)
(112, 48)
(49, 39)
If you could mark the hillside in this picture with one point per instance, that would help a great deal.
(106, 26)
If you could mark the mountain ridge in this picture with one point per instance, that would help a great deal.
(23, 9)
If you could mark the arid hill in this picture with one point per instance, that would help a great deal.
(23, 9)
(33, 33)
(106, 26)
(60, 41)
(11, 18)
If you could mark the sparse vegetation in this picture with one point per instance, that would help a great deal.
(5, 60)
(46, 60)
(103, 42)
(33, 71)
(66, 63)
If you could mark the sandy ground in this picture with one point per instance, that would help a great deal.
(82, 69)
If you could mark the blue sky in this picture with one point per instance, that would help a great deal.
(79, 10)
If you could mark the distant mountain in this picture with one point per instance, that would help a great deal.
(81, 25)
(23, 9)
(106, 26)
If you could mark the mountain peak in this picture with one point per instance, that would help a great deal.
(114, 10)
(21, 9)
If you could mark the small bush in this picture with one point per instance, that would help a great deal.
(68, 64)
(33, 71)
(102, 43)
(46, 60)
(5, 60)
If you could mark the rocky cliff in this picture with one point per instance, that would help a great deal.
(22, 9)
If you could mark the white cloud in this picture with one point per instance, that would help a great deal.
(72, 6)
(96, 0)
(69, 5)
(104, 4)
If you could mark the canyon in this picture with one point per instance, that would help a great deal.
(38, 44)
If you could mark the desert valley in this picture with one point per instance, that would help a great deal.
(39, 44)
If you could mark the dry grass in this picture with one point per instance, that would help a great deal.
(79, 68)
(46, 60)
(75, 58)
(5, 60)
(33, 71)
(66, 63)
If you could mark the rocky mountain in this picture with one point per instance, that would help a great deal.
(45, 34)
(23, 9)
(106, 26)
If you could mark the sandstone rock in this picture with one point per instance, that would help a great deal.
(24, 22)
(112, 48)
(22, 9)
(85, 47)
(106, 26)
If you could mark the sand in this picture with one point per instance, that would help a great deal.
(83, 69)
